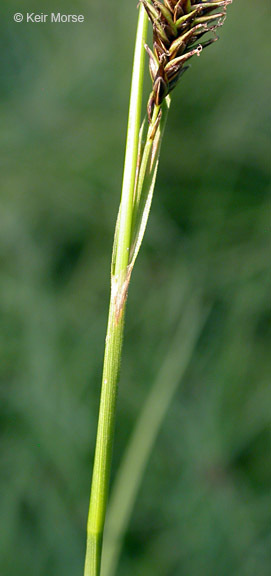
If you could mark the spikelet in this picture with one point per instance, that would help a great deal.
(178, 26)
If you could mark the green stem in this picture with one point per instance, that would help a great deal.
(126, 207)
(113, 346)
(104, 442)
(146, 430)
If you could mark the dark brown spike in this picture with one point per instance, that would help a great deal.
(174, 45)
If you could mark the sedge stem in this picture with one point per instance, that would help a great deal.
(113, 345)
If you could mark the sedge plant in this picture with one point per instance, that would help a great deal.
(178, 30)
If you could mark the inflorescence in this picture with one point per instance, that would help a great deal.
(178, 25)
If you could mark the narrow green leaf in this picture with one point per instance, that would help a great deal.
(146, 178)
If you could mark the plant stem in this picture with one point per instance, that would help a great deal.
(134, 119)
(113, 345)
(104, 442)
(146, 430)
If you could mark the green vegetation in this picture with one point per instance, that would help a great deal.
(175, 40)
(206, 492)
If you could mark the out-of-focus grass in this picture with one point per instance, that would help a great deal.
(204, 503)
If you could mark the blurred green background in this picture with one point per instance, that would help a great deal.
(204, 503)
